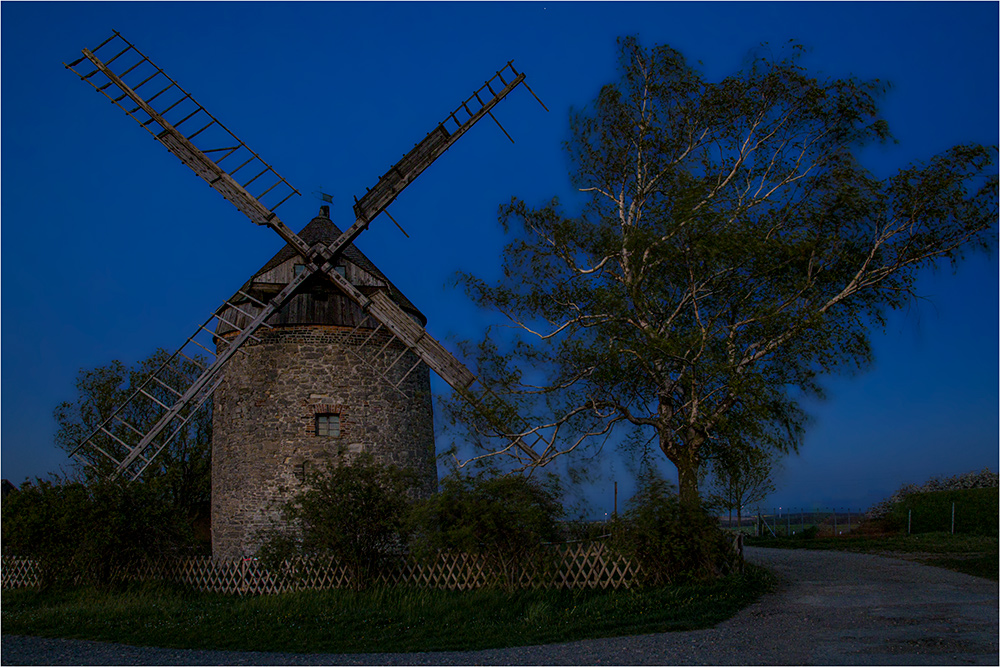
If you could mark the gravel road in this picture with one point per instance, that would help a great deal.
(831, 608)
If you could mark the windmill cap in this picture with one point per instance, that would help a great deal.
(323, 230)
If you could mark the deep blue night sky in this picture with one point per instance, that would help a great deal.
(111, 248)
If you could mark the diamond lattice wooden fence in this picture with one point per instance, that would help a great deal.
(586, 565)
(18, 573)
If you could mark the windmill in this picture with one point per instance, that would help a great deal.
(318, 271)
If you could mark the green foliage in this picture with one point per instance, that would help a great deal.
(504, 518)
(378, 620)
(354, 512)
(91, 534)
(807, 533)
(983, 479)
(976, 511)
(181, 473)
(732, 250)
(670, 540)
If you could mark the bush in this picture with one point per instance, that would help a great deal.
(808, 533)
(976, 511)
(354, 513)
(504, 519)
(91, 534)
(985, 479)
(671, 542)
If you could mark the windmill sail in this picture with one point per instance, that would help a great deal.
(171, 393)
(165, 111)
(437, 141)
(236, 171)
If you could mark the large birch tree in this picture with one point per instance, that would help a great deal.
(732, 250)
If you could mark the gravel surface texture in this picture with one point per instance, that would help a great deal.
(831, 608)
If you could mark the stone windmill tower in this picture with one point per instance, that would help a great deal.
(318, 354)
(317, 386)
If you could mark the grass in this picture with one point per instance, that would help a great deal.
(380, 620)
(977, 555)
(973, 549)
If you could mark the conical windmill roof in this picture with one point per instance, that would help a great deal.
(322, 229)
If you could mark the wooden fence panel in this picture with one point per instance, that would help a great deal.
(588, 565)
(18, 573)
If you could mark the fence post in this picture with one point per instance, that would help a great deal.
(909, 520)
(953, 518)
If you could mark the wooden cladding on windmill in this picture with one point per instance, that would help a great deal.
(372, 323)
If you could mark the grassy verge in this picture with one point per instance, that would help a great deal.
(977, 555)
(383, 620)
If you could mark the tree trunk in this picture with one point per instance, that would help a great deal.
(686, 460)
(685, 456)
(687, 480)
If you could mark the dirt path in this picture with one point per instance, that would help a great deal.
(832, 608)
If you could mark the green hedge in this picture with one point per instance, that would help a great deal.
(976, 511)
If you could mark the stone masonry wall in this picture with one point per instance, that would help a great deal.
(264, 424)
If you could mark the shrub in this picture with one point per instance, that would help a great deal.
(354, 513)
(976, 511)
(504, 519)
(91, 533)
(671, 542)
(808, 533)
(985, 479)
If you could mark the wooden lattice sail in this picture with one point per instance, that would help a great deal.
(158, 104)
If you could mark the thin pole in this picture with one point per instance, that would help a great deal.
(909, 520)
(616, 499)
(953, 518)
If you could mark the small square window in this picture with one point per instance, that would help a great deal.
(328, 425)
(299, 268)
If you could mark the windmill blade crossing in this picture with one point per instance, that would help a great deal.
(143, 91)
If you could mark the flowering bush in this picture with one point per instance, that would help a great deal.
(984, 479)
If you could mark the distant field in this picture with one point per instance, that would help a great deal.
(972, 549)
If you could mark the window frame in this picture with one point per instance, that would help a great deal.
(319, 417)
